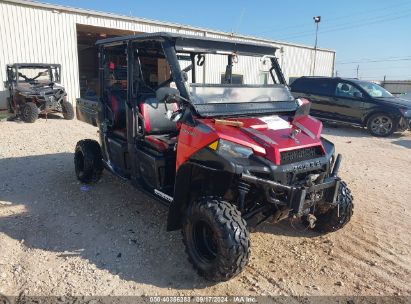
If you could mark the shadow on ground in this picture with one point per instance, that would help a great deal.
(352, 131)
(111, 224)
(12, 117)
(404, 143)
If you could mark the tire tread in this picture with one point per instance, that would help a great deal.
(235, 247)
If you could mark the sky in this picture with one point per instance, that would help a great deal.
(371, 35)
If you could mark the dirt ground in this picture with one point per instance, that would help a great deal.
(57, 238)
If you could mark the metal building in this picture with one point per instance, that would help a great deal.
(37, 32)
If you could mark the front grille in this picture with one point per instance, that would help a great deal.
(293, 156)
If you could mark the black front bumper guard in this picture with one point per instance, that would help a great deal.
(296, 195)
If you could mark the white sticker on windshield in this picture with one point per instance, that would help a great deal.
(276, 122)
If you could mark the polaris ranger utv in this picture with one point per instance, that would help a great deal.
(222, 157)
(35, 89)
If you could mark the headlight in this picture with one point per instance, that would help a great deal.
(407, 113)
(230, 149)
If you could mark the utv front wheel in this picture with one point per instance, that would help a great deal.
(216, 239)
(29, 112)
(88, 162)
(68, 111)
(337, 217)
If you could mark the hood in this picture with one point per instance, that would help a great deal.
(401, 102)
(269, 136)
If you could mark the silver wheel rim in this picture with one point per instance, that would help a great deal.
(381, 125)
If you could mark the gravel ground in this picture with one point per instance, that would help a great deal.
(110, 239)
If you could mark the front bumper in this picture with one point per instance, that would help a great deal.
(404, 124)
(299, 198)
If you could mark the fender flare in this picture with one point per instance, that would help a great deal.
(184, 183)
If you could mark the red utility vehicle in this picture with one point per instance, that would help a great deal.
(222, 157)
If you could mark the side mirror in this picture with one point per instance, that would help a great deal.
(168, 95)
(358, 95)
(303, 109)
(265, 64)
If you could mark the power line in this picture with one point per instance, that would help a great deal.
(372, 61)
(367, 59)
(376, 68)
(380, 19)
(360, 14)
(404, 76)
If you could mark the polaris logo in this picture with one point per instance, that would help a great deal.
(163, 195)
(307, 165)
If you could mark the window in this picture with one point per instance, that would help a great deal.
(264, 78)
(115, 68)
(374, 90)
(313, 86)
(345, 89)
(235, 79)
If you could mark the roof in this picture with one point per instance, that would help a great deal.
(199, 44)
(337, 78)
(326, 77)
(34, 65)
(175, 26)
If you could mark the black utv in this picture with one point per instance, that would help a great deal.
(35, 89)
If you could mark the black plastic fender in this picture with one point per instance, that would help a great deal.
(193, 180)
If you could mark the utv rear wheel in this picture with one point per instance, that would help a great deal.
(381, 125)
(88, 161)
(336, 217)
(68, 111)
(216, 239)
(9, 105)
(29, 112)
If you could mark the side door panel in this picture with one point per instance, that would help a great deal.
(322, 90)
(347, 105)
(319, 92)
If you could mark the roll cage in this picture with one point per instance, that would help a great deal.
(175, 47)
(12, 71)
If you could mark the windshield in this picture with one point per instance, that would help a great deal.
(227, 94)
(374, 90)
(228, 91)
(37, 74)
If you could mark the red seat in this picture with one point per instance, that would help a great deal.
(161, 143)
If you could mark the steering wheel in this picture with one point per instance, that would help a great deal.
(24, 76)
(39, 74)
(170, 80)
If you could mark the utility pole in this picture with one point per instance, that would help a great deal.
(358, 67)
(317, 20)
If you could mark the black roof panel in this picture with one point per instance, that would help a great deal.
(198, 44)
(33, 65)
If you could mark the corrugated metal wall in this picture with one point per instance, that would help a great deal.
(32, 32)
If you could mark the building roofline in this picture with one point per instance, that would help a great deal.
(154, 22)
